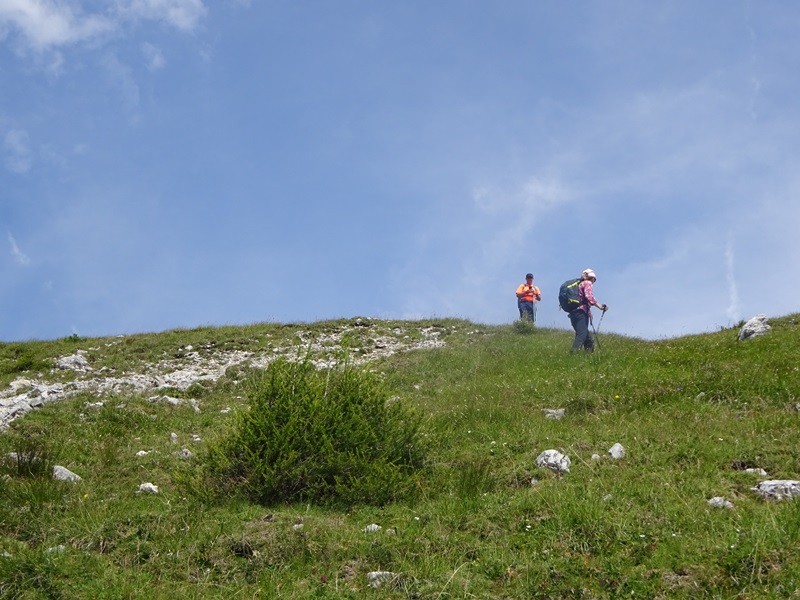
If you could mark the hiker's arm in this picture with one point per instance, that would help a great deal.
(593, 301)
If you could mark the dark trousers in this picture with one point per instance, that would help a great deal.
(527, 311)
(580, 323)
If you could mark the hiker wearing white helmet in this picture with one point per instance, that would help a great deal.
(582, 315)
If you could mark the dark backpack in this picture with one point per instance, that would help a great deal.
(568, 295)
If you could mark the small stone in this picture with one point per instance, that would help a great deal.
(555, 414)
(63, 474)
(755, 471)
(166, 399)
(148, 488)
(554, 460)
(720, 502)
(377, 578)
(183, 453)
(373, 528)
(617, 451)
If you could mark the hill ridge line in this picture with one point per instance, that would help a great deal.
(25, 394)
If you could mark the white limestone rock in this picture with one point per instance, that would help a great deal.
(555, 414)
(148, 488)
(720, 502)
(63, 474)
(778, 489)
(617, 451)
(754, 327)
(75, 362)
(378, 578)
(554, 460)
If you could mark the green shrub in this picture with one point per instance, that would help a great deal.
(328, 436)
(524, 327)
(25, 360)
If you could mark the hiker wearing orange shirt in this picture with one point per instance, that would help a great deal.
(527, 297)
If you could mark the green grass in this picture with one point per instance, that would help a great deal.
(691, 412)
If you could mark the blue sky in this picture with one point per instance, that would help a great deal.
(178, 163)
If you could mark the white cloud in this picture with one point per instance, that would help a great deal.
(45, 23)
(19, 257)
(18, 157)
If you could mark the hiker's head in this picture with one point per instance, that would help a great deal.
(589, 274)
(529, 276)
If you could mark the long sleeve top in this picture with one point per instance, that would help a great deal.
(586, 296)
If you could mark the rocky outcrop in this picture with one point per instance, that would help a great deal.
(25, 393)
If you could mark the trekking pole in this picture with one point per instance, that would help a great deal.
(596, 339)
(603, 314)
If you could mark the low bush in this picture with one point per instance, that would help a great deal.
(524, 327)
(331, 436)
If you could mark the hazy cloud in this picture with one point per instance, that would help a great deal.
(183, 14)
(18, 156)
(154, 58)
(533, 196)
(122, 78)
(19, 256)
(734, 311)
(516, 212)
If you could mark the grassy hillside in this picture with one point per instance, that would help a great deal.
(692, 413)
